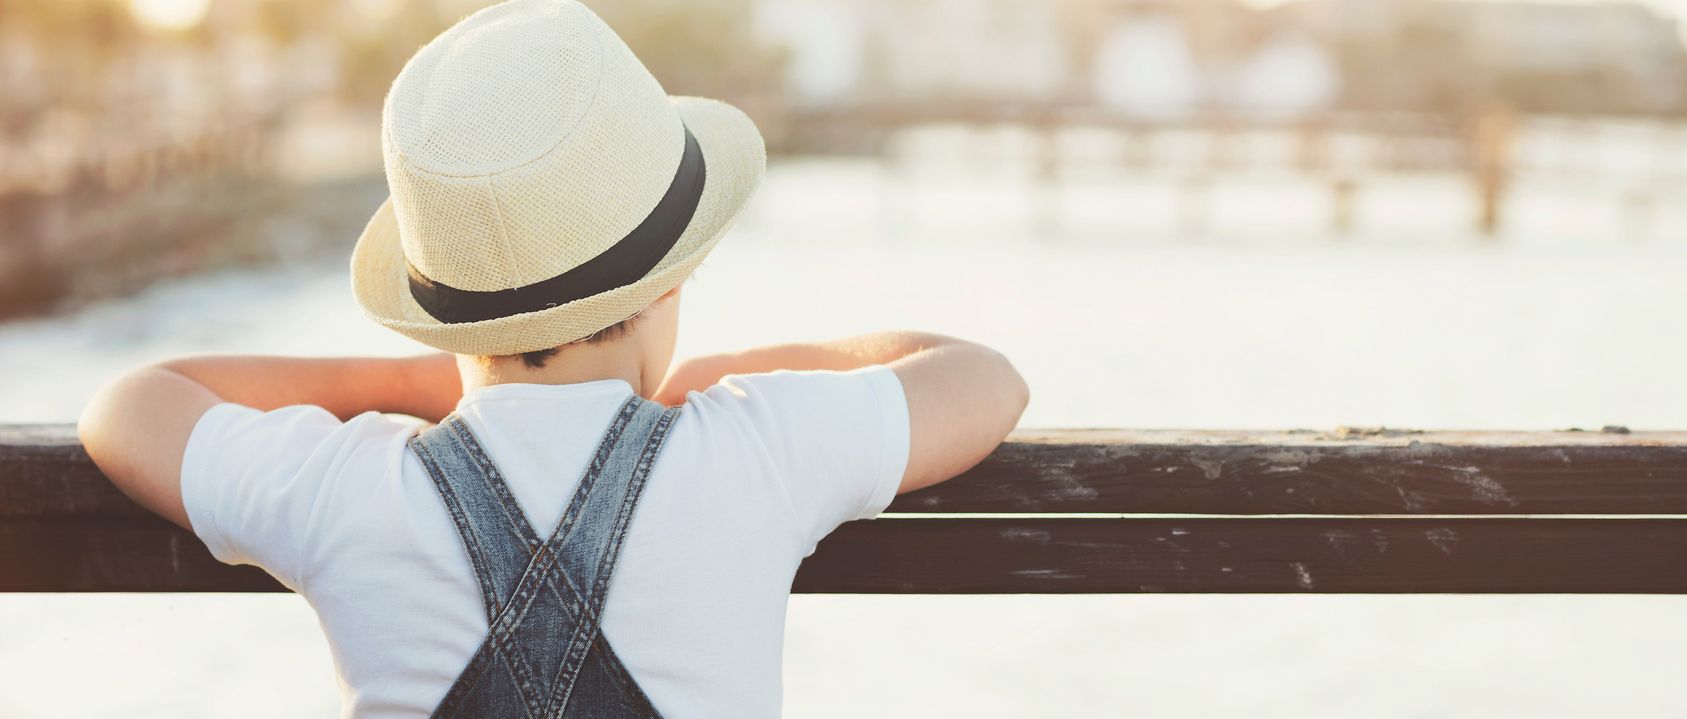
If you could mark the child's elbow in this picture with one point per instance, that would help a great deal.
(1021, 391)
(101, 419)
(120, 401)
(1015, 393)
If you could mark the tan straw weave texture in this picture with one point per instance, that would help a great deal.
(520, 143)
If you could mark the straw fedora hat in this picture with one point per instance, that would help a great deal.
(543, 186)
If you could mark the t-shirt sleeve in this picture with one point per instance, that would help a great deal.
(251, 481)
(838, 441)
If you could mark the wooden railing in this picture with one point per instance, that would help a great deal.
(1084, 511)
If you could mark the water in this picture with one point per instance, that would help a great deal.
(1114, 324)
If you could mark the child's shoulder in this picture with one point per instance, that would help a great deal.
(300, 433)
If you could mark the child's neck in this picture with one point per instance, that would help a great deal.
(619, 359)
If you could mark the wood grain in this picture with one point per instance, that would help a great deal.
(1374, 511)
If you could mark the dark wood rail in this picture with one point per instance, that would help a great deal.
(1084, 511)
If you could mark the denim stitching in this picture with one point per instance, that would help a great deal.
(501, 641)
(584, 628)
(547, 559)
(545, 553)
(502, 628)
(565, 524)
(478, 663)
(624, 679)
(504, 642)
(459, 693)
(589, 628)
(546, 570)
(495, 482)
(454, 506)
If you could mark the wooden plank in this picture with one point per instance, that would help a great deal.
(64, 528)
(1240, 473)
(105, 554)
(893, 555)
(1251, 555)
(44, 472)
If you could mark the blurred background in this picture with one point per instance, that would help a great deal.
(1170, 214)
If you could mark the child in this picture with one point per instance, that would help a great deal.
(583, 533)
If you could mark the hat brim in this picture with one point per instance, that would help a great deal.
(736, 159)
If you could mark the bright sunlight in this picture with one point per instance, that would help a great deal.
(170, 14)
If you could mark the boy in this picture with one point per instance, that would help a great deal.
(548, 200)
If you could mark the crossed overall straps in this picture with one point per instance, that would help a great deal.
(544, 655)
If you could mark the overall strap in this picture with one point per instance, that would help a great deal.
(495, 532)
(587, 540)
(561, 581)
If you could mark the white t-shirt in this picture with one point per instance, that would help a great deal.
(756, 470)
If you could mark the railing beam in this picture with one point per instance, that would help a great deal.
(1064, 511)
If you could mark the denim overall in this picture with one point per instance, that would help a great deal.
(544, 656)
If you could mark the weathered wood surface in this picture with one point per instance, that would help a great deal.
(43, 470)
(1346, 472)
(64, 528)
(894, 555)
(1247, 554)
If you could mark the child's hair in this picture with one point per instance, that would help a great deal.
(537, 358)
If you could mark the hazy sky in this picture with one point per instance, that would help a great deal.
(178, 13)
(1672, 8)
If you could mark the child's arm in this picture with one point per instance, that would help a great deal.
(963, 398)
(137, 427)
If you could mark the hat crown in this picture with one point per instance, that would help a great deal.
(522, 142)
(455, 107)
